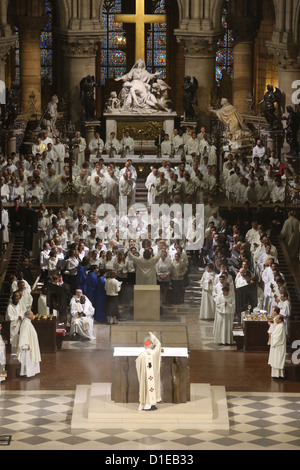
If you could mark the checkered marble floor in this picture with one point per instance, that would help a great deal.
(41, 420)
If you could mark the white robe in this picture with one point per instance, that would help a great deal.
(149, 377)
(13, 313)
(28, 349)
(277, 352)
(290, 235)
(83, 325)
(59, 157)
(151, 185)
(79, 152)
(207, 307)
(225, 309)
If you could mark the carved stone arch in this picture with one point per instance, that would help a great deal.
(216, 13)
(64, 12)
(296, 23)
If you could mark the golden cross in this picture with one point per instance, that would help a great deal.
(140, 19)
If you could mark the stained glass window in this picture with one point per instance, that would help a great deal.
(46, 45)
(156, 55)
(17, 57)
(113, 59)
(224, 57)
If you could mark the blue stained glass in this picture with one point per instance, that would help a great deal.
(46, 45)
(160, 59)
(224, 55)
(157, 41)
(46, 58)
(113, 60)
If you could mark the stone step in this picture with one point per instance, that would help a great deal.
(207, 410)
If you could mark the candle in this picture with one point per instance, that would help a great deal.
(159, 139)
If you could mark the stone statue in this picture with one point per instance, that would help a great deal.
(271, 98)
(189, 97)
(12, 106)
(50, 116)
(230, 117)
(87, 96)
(113, 102)
(141, 91)
(291, 131)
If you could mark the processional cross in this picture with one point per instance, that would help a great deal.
(140, 19)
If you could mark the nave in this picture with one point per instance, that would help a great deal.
(35, 414)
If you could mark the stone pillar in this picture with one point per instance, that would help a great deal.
(200, 58)
(287, 60)
(243, 54)
(6, 43)
(30, 59)
(79, 60)
(244, 31)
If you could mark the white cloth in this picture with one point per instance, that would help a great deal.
(225, 309)
(13, 314)
(207, 307)
(28, 349)
(277, 352)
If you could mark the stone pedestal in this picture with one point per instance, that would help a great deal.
(207, 410)
(274, 141)
(146, 303)
(9, 140)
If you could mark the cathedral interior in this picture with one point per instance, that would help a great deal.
(228, 70)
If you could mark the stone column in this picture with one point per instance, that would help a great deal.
(30, 59)
(288, 62)
(244, 31)
(200, 59)
(6, 43)
(79, 60)
(243, 54)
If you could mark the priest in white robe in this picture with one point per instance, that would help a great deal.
(112, 145)
(14, 314)
(277, 352)
(59, 152)
(145, 268)
(28, 347)
(82, 312)
(290, 234)
(207, 307)
(128, 144)
(225, 310)
(150, 184)
(148, 372)
(166, 146)
(96, 147)
(79, 145)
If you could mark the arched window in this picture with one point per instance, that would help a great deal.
(224, 58)
(113, 58)
(113, 54)
(156, 58)
(46, 45)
